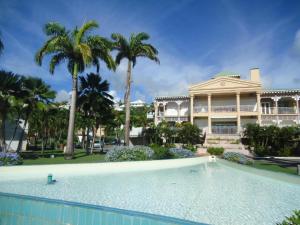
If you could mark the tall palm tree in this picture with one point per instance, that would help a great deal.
(10, 88)
(36, 95)
(132, 49)
(94, 100)
(79, 50)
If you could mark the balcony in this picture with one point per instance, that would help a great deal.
(248, 108)
(281, 110)
(200, 109)
(224, 129)
(228, 108)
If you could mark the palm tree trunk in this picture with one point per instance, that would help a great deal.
(2, 134)
(127, 104)
(93, 141)
(15, 130)
(70, 141)
(19, 149)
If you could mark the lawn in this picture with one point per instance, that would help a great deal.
(80, 156)
(267, 165)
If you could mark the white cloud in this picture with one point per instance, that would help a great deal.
(62, 96)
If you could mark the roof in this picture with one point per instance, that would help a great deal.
(279, 91)
(226, 74)
(172, 97)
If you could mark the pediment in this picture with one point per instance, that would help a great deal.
(223, 84)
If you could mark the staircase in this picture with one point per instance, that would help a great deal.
(231, 143)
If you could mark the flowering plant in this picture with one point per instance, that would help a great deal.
(7, 158)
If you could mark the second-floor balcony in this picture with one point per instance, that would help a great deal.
(227, 108)
(279, 110)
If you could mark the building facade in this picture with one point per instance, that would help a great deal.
(226, 103)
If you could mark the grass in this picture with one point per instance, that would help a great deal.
(43, 159)
(266, 165)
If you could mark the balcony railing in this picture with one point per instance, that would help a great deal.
(279, 110)
(224, 129)
(227, 108)
(286, 110)
(200, 109)
(248, 108)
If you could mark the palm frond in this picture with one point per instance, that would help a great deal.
(86, 53)
(1, 46)
(84, 29)
(54, 29)
(56, 60)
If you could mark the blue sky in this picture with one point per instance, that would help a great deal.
(196, 39)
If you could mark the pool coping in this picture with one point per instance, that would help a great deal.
(9, 173)
(161, 218)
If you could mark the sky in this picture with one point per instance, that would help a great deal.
(195, 38)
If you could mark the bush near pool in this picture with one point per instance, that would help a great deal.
(237, 157)
(215, 150)
(125, 153)
(181, 153)
(10, 159)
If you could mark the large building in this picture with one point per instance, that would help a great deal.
(225, 103)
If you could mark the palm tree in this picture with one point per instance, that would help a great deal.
(37, 94)
(94, 100)
(79, 50)
(10, 88)
(1, 46)
(132, 49)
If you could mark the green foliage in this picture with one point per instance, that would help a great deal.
(272, 140)
(181, 153)
(292, 220)
(190, 147)
(125, 153)
(189, 134)
(215, 150)
(161, 152)
(237, 157)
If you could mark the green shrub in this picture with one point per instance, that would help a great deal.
(292, 220)
(181, 153)
(189, 134)
(215, 150)
(260, 150)
(161, 152)
(10, 159)
(125, 153)
(190, 147)
(237, 157)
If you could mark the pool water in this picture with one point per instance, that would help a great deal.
(212, 193)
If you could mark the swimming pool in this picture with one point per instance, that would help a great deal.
(191, 189)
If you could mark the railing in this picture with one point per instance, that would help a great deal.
(248, 108)
(200, 109)
(279, 110)
(227, 108)
(173, 118)
(224, 129)
(286, 110)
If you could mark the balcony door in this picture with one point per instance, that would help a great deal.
(266, 108)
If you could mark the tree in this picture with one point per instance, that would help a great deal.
(189, 134)
(95, 101)
(10, 88)
(79, 50)
(132, 49)
(36, 95)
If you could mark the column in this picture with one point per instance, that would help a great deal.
(209, 112)
(164, 115)
(238, 112)
(297, 98)
(155, 113)
(192, 109)
(258, 108)
(178, 110)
